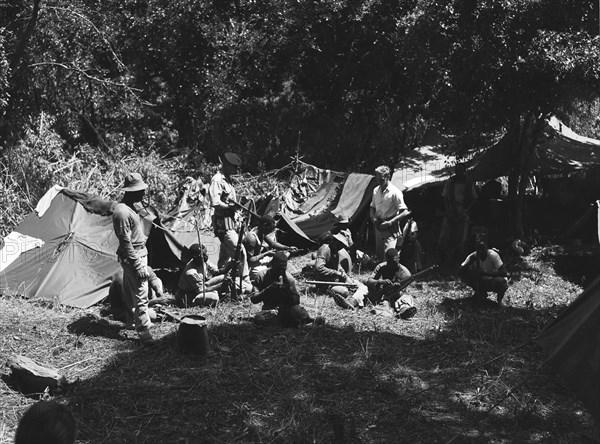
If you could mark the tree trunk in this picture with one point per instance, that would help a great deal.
(523, 133)
(24, 40)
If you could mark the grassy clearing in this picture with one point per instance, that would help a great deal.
(454, 373)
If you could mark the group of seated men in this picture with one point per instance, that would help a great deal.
(264, 276)
(482, 270)
(267, 280)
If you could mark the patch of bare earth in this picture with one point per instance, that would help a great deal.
(453, 373)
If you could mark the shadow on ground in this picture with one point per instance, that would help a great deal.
(334, 383)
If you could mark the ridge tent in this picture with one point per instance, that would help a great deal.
(354, 197)
(65, 251)
(559, 151)
(573, 342)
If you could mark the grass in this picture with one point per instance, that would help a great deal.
(453, 373)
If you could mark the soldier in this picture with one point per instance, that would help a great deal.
(222, 197)
(276, 289)
(387, 212)
(483, 271)
(133, 255)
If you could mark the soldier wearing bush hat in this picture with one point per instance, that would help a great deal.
(133, 255)
(222, 197)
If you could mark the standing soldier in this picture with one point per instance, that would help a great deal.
(387, 212)
(133, 255)
(222, 197)
(459, 195)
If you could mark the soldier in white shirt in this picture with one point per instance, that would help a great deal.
(484, 271)
(387, 213)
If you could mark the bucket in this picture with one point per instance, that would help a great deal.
(192, 335)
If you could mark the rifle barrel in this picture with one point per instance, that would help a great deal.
(345, 284)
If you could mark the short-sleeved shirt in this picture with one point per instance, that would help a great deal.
(387, 203)
(218, 185)
(327, 264)
(223, 220)
(491, 264)
(289, 293)
(129, 230)
(191, 281)
(384, 271)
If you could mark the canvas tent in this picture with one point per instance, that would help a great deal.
(334, 194)
(573, 344)
(559, 152)
(423, 166)
(65, 251)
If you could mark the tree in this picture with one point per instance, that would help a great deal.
(509, 65)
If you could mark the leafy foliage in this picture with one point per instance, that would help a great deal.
(346, 83)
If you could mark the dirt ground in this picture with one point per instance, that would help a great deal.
(453, 373)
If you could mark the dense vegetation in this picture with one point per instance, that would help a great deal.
(86, 87)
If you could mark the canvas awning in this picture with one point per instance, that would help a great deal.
(559, 152)
(423, 166)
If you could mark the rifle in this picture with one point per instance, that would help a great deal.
(230, 201)
(236, 263)
(236, 257)
(344, 284)
(201, 258)
(388, 293)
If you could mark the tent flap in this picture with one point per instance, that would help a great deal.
(572, 342)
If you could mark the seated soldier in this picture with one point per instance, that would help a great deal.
(269, 233)
(275, 287)
(260, 244)
(117, 302)
(484, 271)
(341, 225)
(381, 287)
(201, 282)
(328, 267)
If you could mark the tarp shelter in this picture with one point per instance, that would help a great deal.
(65, 251)
(423, 166)
(573, 343)
(558, 152)
(335, 194)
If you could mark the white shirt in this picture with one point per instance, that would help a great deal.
(218, 185)
(387, 203)
(490, 264)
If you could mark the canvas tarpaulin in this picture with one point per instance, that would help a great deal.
(308, 188)
(76, 257)
(573, 344)
(355, 193)
(558, 152)
(75, 264)
(423, 166)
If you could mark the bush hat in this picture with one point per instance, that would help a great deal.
(134, 182)
(341, 239)
(233, 159)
